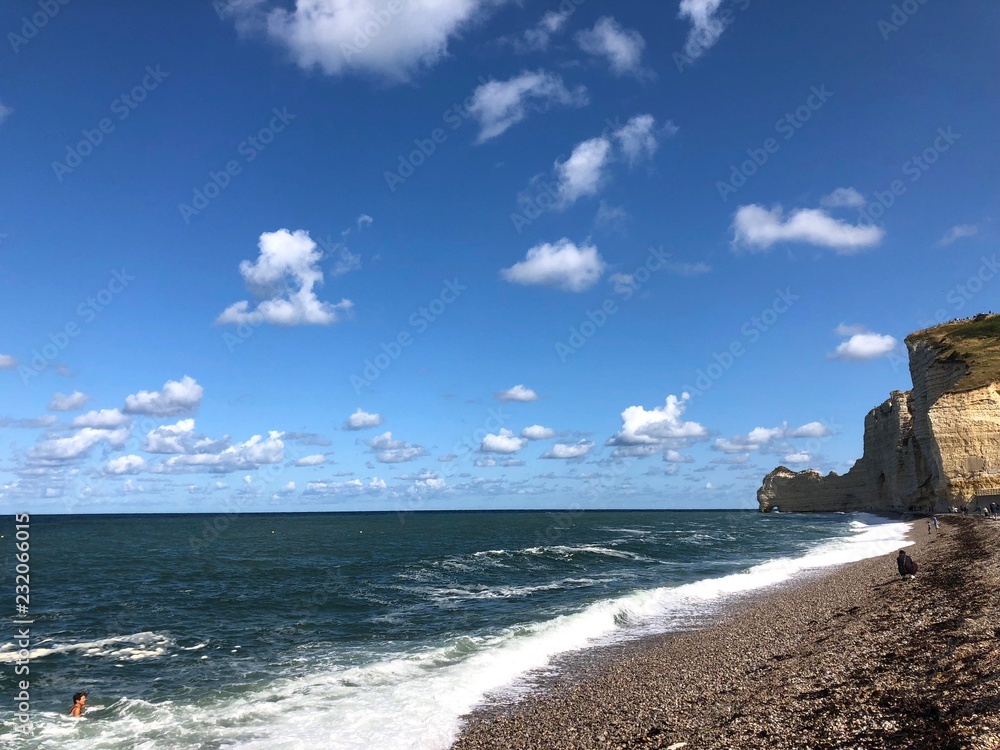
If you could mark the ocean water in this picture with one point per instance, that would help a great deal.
(362, 631)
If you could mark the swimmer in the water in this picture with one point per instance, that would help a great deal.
(79, 703)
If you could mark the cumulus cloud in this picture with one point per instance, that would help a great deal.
(957, 232)
(498, 105)
(72, 402)
(517, 393)
(865, 346)
(105, 419)
(176, 398)
(569, 450)
(676, 457)
(171, 438)
(130, 464)
(252, 454)
(706, 25)
(797, 458)
(758, 228)
(75, 446)
(843, 198)
(537, 432)
(352, 488)
(504, 442)
(7, 362)
(646, 431)
(389, 451)
(537, 38)
(361, 420)
(563, 265)
(637, 138)
(314, 460)
(762, 437)
(584, 172)
(284, 278)
(392, 41)
(622, 48)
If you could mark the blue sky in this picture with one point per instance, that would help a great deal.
(339, 254)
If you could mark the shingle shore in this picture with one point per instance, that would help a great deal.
(853, 658)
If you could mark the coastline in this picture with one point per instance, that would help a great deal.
(852, 656)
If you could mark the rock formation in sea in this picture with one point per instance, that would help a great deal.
(925, 450)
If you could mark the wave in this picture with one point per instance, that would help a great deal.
(146, 645)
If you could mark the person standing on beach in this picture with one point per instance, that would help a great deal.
(928, 527)
(79, 703)
(937, 524)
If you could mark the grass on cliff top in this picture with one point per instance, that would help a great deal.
(976, 341)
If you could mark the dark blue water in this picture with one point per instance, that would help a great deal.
(269, 631)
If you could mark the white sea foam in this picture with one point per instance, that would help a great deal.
(414, 700)
(124, 648)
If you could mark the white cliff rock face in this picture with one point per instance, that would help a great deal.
(925, 450)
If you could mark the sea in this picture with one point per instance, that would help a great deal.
(362, 631)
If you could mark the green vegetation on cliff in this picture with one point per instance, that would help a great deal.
(974, 341)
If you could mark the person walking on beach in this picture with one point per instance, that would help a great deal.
(928, 527)
(937, 524)
(79, 703)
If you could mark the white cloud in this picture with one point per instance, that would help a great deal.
(849, 330)
(364, 220)
(353, 487)
(361, 420)
(72, 402)
(647, 431)
(957, 232)
(583, 173)
(389, 451)
(7, 362)
(810, 430)
(761, 437)
(564, 450)
(622, 48)
(498, 105)
(5, 112)
(177, 397)
(864, 346)
(517, 393)
(637, 138)
(171, 438)
(537, 432)
(125, 465)
(797, 458)
(485, 463)
(563, 265)
(105, 419)
(758, 228)
(75, 446)
(314, 460)
(251, 454)
(676, 457)
(284, 277)
(504, 442)
(706, 26)
(843, 197)
(537, 38)
(391, 40)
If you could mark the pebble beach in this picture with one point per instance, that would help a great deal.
(853, 658)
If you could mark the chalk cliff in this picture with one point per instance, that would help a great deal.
(926, 450)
